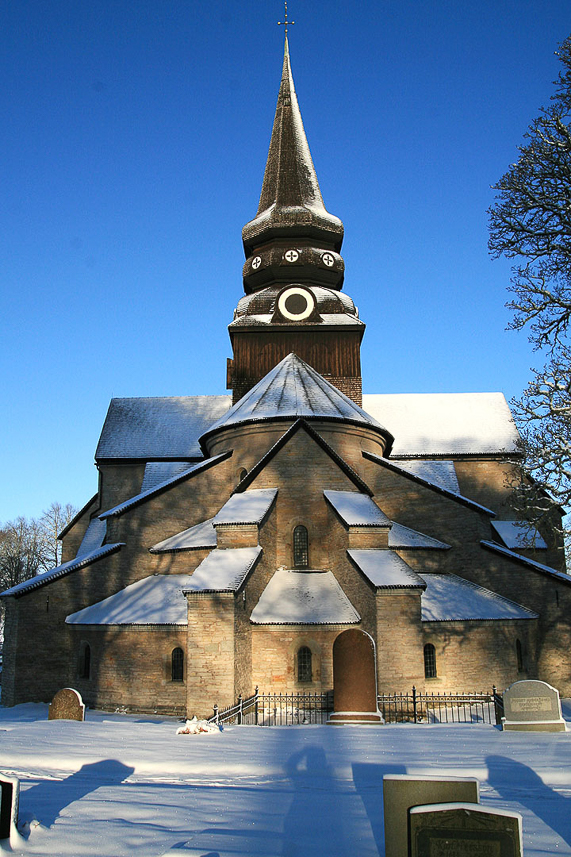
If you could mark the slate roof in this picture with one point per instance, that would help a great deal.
(201, 535)
(441, 473)
(519, 534)
(292, 390)
(449, 598)
(251, 507)
(303, 598)
(386, 569)
(357, 510)
(523, 560)
(398, 468)
(62, 570)
(424, 424)
(168, 483)
(429, 424)
(224, 570)
(157, 472)
(403, 537)
(155, 600)
(94, 536)
(154, 428)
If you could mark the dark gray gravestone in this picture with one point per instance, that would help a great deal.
(67, 704)
(354, 680)
(532, 706)
(9, 798)
(403, 791)
(464, 830)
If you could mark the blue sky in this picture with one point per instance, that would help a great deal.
(134, 141)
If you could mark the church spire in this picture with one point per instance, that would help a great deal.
(291, 206)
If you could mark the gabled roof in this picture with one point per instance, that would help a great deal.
(449, 598)
(251, 507)
(293, 390)
(290, 191)
(403, 537)
(303, 598)
(62, 570)
(523, 560)
(283, 440)
(385, 569)
(202, 535)
(397, 468)
(519, 534)
(155, 428)
(224, 570)
(164, 486)
(445, 424)
(356, 510)
(155, 600)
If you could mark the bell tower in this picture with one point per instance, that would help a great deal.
(293, 274)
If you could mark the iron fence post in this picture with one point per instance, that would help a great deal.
(256, 705)
(414, 703)
(215, 709)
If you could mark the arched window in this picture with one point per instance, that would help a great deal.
(85, 661)
(242, 473)
(429, 661)
(177, 664)
(304, 672)
(519, 655)
(300, 547)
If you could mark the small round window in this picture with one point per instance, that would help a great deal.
(296, 304)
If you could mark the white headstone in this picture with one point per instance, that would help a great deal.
(532, 706)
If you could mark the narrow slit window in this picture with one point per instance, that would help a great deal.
(177, 664)
(300, 547)
(85, 662)
(304, 670)
(429, 661)
(519, 655)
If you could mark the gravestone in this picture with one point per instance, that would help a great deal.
(66, 705)
(532, 706)
(464, 830)
(354, 680)
(403, 791)
(9, 798)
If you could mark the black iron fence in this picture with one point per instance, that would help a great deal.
(297, 709)
(419, 707)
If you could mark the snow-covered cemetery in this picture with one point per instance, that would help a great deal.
(299, 618)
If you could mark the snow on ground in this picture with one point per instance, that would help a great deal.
(122, 784)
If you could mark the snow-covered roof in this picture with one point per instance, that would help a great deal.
(325, 319)
(180, 477)
(386, 569)
(157, 472)
(356, 510)
(224, 570)
(449, 598)
(159, 427)
(519, 534)
(251, 507)
(398, 468)
(202, 535)
(403, 537)
(441, 473)
(523, 560)
(291, 390)
(155, 600)
(445, 423)
(94, 537)
(62, 570)
(303, 598)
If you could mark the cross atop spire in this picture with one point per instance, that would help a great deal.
(286, 23)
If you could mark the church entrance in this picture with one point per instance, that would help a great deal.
(354, 679)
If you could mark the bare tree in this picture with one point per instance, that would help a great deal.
(52, 522)
(530, 221)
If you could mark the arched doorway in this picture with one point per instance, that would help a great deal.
(354, 679)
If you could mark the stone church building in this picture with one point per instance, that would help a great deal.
(232, 540)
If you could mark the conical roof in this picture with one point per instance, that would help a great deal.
(294, 390)
(290, 196)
